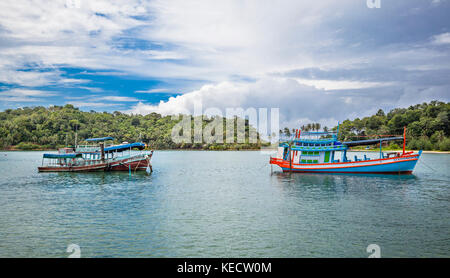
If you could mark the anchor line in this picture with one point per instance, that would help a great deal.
(427, 165)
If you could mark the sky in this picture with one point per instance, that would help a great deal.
(317, 61)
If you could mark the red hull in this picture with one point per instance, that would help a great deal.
(133, 165)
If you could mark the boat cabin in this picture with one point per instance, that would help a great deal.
(313, 147)
(321, 147)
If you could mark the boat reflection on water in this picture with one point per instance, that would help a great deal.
(339, 182)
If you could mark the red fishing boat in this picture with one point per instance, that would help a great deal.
(85, 158)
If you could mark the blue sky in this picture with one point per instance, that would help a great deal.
(315, 60)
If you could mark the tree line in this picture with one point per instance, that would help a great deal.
(31, 128)
(309, 127)
(427, 126)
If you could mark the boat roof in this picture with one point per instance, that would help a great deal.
(370, 141)
(99, 139)
(304, 133)
(124, 147)
(62, 155)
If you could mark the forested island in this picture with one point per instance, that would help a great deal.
(39, 128)
(36, 128)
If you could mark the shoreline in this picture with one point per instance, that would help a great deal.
(399, 151)
(55, 150)
(244, 150)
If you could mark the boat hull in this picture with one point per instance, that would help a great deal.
(128, 164)
(132, 164)
(88, 168)
(395, 165)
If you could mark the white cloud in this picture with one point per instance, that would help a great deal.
(27, 78)
(119, 99)
(443, 38)
(70, 81)
(298, 103)
(92, 104)
(27, 92)
(340, 84)
(436, 2)
(91, 89)
(216, 39)
(153, 91)
(24, 95)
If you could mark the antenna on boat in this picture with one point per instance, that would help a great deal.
(337, 131)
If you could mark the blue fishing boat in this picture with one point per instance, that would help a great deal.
(322, 152)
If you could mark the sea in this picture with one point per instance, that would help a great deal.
(222, 204)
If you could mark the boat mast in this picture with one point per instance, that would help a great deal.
(381, 152)
(337, 132)
(76, 135)
(404, 139)
(290, 156)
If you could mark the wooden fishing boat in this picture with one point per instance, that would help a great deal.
(86, 158)
(317, 152)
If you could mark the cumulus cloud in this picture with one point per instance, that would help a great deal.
(298, 103)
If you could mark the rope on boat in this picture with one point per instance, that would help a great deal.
(137, 166)
(427, 165)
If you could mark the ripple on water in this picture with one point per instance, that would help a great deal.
(222, 204)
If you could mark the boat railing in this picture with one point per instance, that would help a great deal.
(87, 149)
(70, 162)
(61, 162)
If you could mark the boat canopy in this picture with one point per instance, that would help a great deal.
(99, 139)
(124, 147)
(370, 141)
(317, 133)
(62, 155)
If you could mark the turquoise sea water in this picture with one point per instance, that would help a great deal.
(222, 204)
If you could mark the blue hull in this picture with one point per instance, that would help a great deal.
(401, 167)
